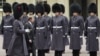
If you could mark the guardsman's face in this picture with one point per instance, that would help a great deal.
(24, 13)
(61, 13)
(39, 14)
(7, 13)
(92, 14)
(75, 14)
(30, 13)
(45, 13)
(57, 14)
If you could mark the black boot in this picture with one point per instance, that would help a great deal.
(56, 53)
(76, 52)
(39, 52)
(47, 50)
(34, 53)
(93, 53)
(60, 53)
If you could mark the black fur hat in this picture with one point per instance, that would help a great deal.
(56, 8)
(31, 8)
(7, 8)
(62, 8)
(39, 8)
(18, 11)
(92, 8)
(25, 7)
(47, 8)
(75, 8)
(13, 5)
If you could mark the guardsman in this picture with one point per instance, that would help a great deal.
(47, 20)
(17, 46)
(92, 28)
(40, 30)
(76, 27)
(62, 14)
(24, 16)
(59, 26)
(7, 25)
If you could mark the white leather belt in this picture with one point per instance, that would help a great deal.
(91, 27)
(57, 26)
(40, 27)
(7, 26)
(74, 27)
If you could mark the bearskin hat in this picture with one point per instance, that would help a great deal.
(92, 8)
(47, 8)
(75, 8)
(7, 8)
(31, 8)
(39, 8)
(13, 5)
(25, 7)
(62, 8)
(56, 8)
(18, 11)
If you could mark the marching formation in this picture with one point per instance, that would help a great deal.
(27, 28)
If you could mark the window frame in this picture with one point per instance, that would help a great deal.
(1, 3)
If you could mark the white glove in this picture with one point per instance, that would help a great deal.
(81, 36)
(68, 36)
(30, 41)
(27, 30)
(97, 37)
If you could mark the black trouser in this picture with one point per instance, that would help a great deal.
(6, 52)
(93, 53)
(47, 50)
(32, 49)
(41, 53)
(58, 53)
(33, 53)
(76, 52)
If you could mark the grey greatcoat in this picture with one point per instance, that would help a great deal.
(24, 19)
(40, 33)
(92, 26)
(48, 39)
(76, 27)
(17, 45)
(59, 30)
(7, 30)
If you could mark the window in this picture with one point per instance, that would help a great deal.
(41, 1)
(1, 3)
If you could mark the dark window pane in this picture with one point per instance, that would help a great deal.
(1, 3)
(41, 1)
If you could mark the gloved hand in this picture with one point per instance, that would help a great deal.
(97, 37)
(81, 36)
(30, 41)
(65, 36)
(27, 30)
